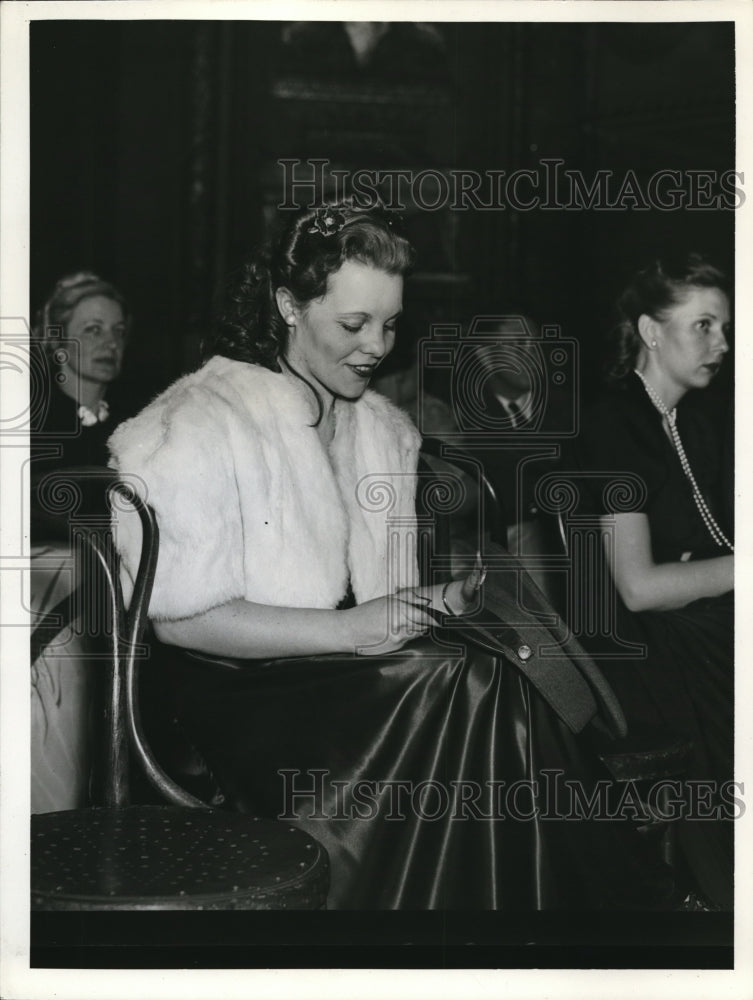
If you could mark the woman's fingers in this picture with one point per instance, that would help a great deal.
(411, 595)
(478, 573)
(388, 623)
(414, 611)
(481, 568)
(473, 582)
(415, 608)
(413, 600)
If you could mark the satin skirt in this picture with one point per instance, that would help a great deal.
(436, 778)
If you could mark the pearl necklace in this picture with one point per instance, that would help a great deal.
(671, 417)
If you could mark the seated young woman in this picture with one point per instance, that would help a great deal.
(285, 494)
(669, 553)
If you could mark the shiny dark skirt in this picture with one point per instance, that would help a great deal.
(436, 777)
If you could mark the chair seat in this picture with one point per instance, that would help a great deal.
(164, 857)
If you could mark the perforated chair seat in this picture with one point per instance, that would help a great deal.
(165, 857)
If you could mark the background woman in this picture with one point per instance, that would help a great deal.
(671, 555)
(285, 493)
(81, 330)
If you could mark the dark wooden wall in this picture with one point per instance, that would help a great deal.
(154, 148)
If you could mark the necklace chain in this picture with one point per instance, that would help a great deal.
(671, 417)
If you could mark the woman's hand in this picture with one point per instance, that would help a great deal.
(461, 597)
(385, 624)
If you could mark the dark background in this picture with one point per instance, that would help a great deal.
(154, 149)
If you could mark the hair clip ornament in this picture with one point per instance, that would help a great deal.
(327, 222)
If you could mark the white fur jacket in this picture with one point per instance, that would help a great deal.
(249, 503)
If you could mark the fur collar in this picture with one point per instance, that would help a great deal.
(249, 502)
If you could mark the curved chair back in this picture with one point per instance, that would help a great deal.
(136, 620)
(435, 497)
(76, 506)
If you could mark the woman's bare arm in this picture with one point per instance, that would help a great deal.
(648, 586)
(259, 631)
(241, 628)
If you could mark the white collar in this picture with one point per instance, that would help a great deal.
(89, 417)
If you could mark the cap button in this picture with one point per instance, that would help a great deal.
(525, 652)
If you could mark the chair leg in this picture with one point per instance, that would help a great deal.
(669, 846)
(669, 838)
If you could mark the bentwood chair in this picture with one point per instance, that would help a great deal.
(448, 478)
(119, 856)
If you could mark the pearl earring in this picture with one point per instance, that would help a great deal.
(653, 343)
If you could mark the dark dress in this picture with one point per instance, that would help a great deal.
(684, 683)
(60, 441)
(436, 777)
